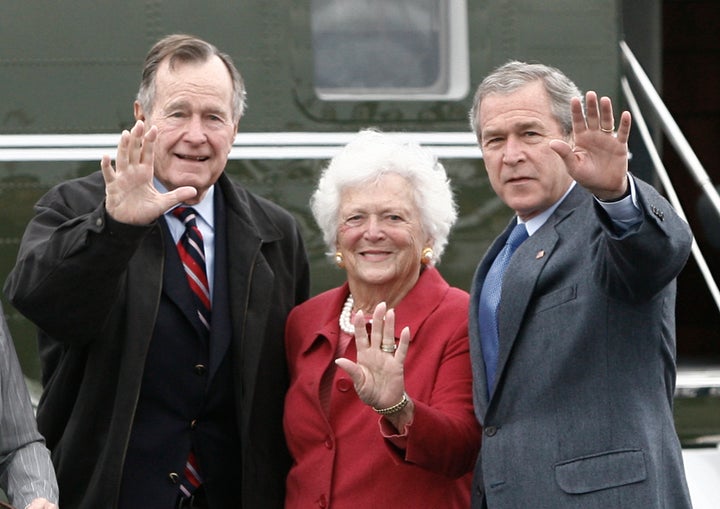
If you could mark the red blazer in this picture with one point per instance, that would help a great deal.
(344, 460)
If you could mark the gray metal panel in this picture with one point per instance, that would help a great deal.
(580, 37)
(74, 67)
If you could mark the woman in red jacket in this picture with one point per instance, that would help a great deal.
(394, 426)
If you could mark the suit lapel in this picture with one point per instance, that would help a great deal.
(519, 283)
(521, 278)
(250, 286)
(221, 330)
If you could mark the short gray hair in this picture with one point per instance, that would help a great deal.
(186, 48)
(372, 154)
(514, 74)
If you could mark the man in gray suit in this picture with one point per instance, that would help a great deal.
(574, 370)
(26, 472)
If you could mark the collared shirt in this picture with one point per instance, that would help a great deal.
(624, 213)
(206, 223)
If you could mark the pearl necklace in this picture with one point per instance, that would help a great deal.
(345, 324)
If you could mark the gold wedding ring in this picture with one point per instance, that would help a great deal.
(387, 348)
(609, 131)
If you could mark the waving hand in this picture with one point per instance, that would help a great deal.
(598, 159)
(130, 196)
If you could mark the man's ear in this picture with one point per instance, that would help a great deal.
(237, 125)
(138, 111)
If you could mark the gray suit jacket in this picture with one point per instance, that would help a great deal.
(581, 414)
(26, 471)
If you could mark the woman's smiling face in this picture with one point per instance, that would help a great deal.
(380, 233)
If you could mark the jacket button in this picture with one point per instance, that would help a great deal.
(322, 501)
(174, 478)
(200, 369)
(193, 424)
(344, 385)
(490, 431)
(328, 443)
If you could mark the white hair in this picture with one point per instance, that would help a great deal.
(369, 156)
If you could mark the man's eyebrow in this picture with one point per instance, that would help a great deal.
(519, 126)
(182, 104)
(178, 103)
(491, 131)
(529, 124)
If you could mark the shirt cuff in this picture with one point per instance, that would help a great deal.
(624, 213)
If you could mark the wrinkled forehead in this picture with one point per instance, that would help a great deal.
(526, 106)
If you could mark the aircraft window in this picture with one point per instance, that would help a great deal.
(380, 49)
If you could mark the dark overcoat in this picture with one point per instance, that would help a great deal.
(92, 286)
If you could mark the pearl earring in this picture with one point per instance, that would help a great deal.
(339, 259)
(426, 256)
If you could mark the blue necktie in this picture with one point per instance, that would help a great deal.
(489, 300)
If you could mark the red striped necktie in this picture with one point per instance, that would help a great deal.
(192, 479)
(192, 253)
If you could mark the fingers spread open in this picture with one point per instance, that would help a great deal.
(378, 325)
(361, 335)
(388, 337)
(607, 120)
(403, 345)
(148, 145)
(623, 132)
(108, 171)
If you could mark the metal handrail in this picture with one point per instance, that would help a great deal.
(686, 153)
(670, 127)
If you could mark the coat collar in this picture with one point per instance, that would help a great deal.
(412, 310)
(258, 223)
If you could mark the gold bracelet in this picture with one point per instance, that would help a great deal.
(395, 408)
